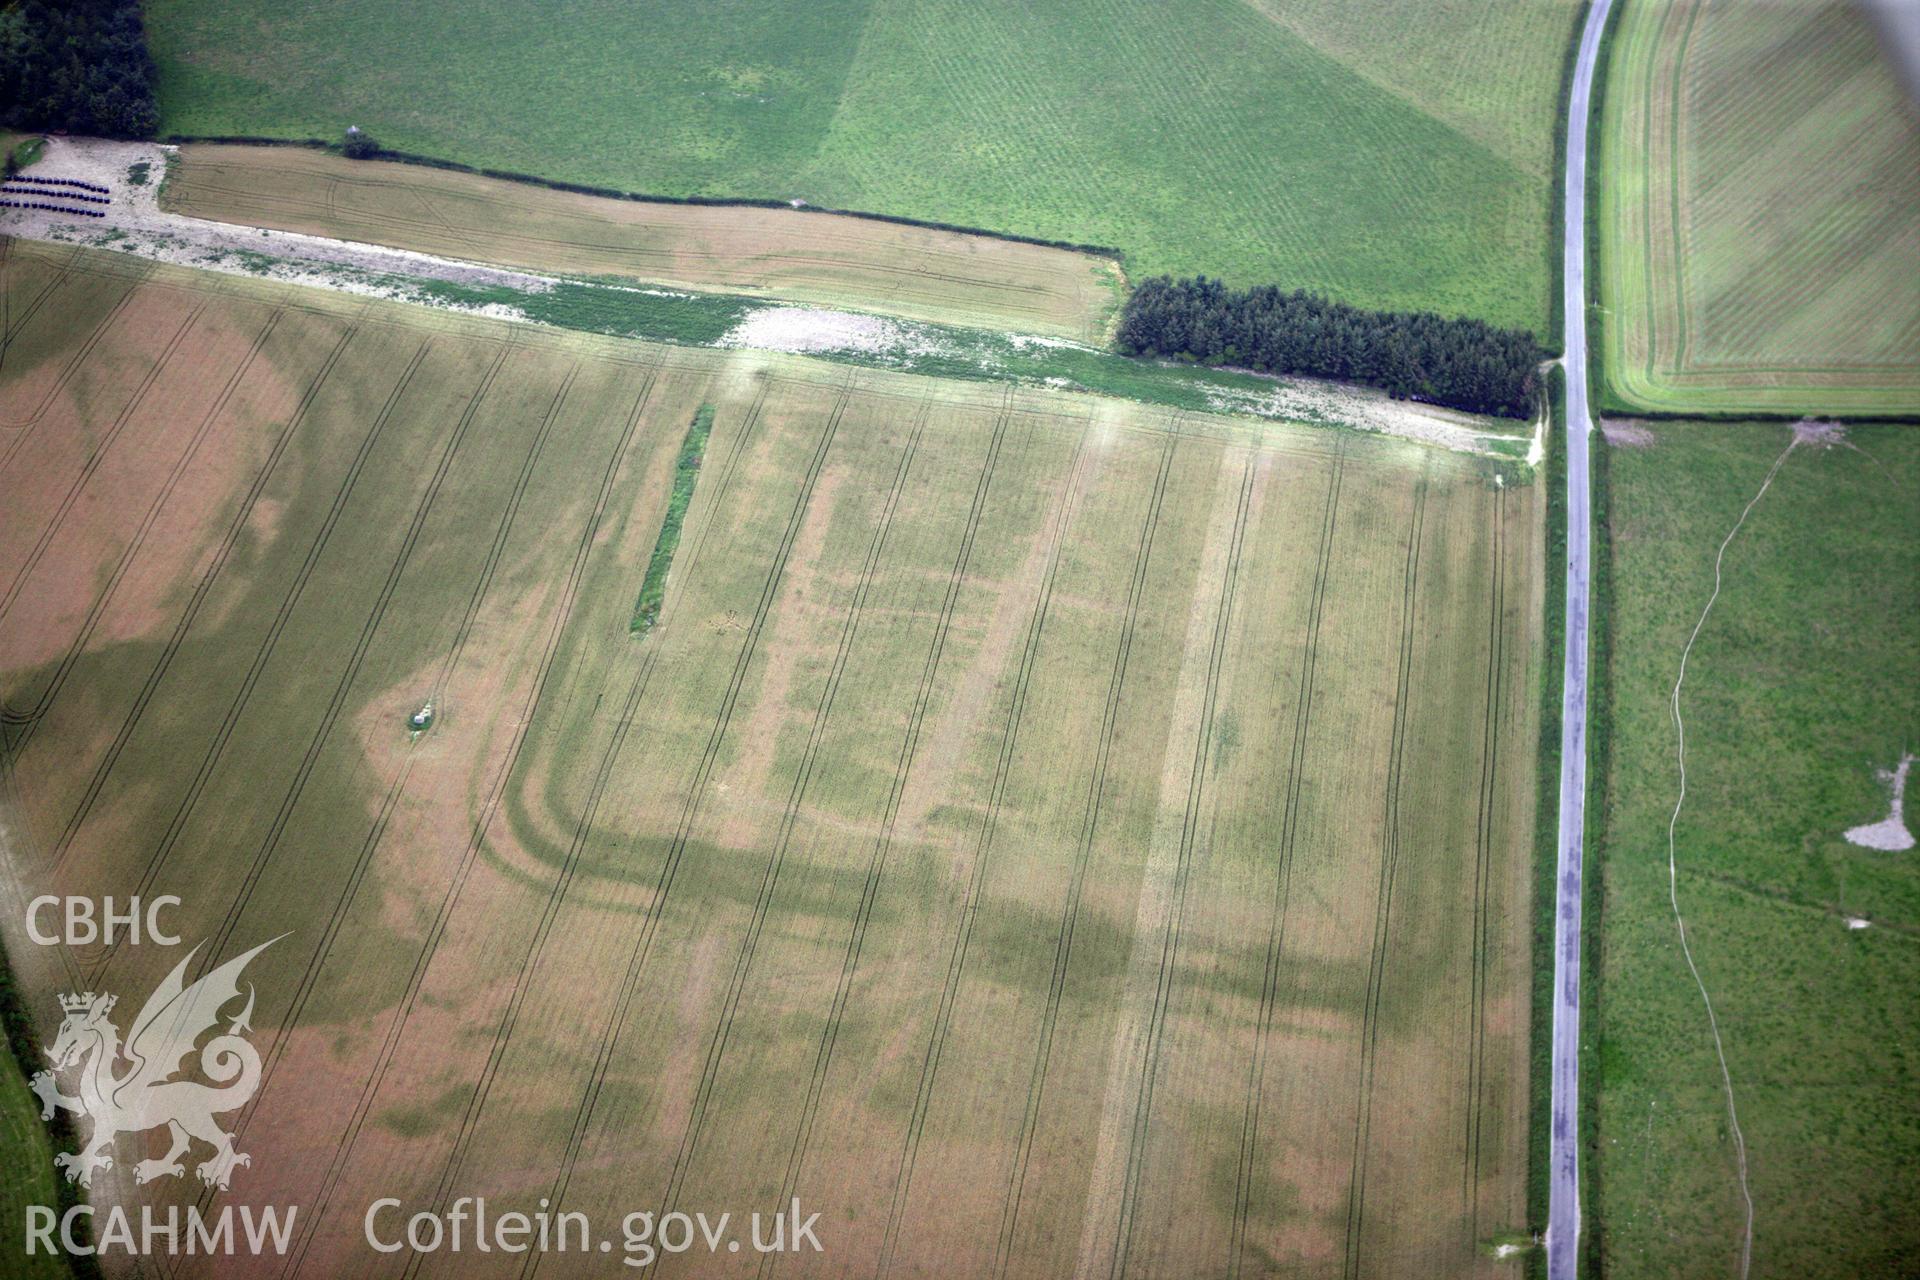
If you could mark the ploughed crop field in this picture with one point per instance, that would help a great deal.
(870, 265)
(1394, 159)
(1799, 691)
(1760, 212)
(1038, 832)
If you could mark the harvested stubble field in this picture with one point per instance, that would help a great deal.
(1760, 212)
(1394, 160)
(862, 263)
(1040, 833)
(1798, 689)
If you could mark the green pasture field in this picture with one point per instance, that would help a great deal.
(1392, 160)
(1039, 829)
(1799, 688)
(1759, 213)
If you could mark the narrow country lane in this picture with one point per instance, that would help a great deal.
(1563, 1209)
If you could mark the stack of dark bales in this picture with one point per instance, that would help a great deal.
(21, 184)
(39, 181)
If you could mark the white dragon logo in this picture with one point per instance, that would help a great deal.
(145, 1096)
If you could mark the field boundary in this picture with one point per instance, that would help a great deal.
(397, 1025)
(507, 430)
(1174, 890)
(1083, 855)
(1283, 875)
(716, 319)
(642, 946)
(1383, 893)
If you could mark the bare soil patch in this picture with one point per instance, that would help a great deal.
(1626, 433)
(1818, 432)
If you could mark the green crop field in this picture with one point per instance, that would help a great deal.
(1037, 829)
(1391, 159)
(1759, 215)
(1800, 687)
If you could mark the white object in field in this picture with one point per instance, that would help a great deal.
(1890, 835)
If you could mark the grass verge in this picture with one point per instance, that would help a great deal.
(1594, 864)
(25, 1138)
(1546, 827)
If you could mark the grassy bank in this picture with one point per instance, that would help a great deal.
(1593, 898)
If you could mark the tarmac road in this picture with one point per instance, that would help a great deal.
(1563, 1205)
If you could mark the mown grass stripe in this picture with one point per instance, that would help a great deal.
(686, 474)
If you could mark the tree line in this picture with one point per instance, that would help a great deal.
(1412, 355)
(78, 65)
